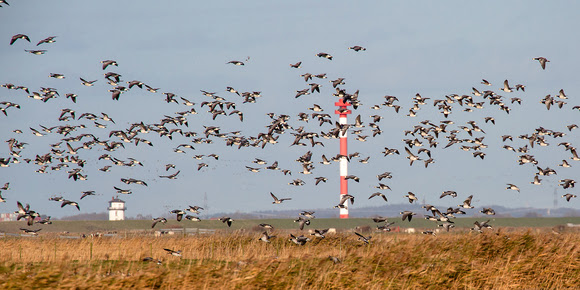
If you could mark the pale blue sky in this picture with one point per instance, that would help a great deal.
(426, 47)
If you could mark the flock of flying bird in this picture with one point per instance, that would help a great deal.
(78, 137)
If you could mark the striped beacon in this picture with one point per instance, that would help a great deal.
(342, 111)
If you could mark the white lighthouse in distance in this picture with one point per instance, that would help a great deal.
(116, 209)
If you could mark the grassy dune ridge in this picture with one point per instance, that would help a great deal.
(494, 259)
(417, 222)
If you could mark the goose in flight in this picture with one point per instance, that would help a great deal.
(363, 238)
(296, 65)
(379, 219)
(49, 39)
(506, 87)
(324, 55)
(512, 187)
(378, 194)
(300, 240)
(194, 209)
(346, 197)
(69, 202)
(411, 196)
(179, 214)
(87, 193)
(192, 218)
(235, 62)
(172, 176)
(107, 63)
(542, 61)
(56, 76)
(227, 220)
(123, 191)
(407, 215)
(412, 157)
(568, 196)
(132, 180)
(278, 200)
(36, 52)
(467, 202)
(302, 222)
(357, 48)
(17, 37)
(158, 220)
(173, 252)
(487, 211)
(319, 233)
(29, 231)
(265, 237)
(448, 192)
(567, 183)
(87, 83)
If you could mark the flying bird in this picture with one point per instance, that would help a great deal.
(278, 200)
(448, 192)
(17, 37)
(411, 196)
(568, 196)
(512, 187)
(542, 61)
(300, 240)
(87, 83)
(172, 176)
(179, 214)
(302, 222)
(68, 202)
(235, 62)
(158, 220)
(407, 215)
(357, 48)
(363, 238)
(467, 202)
(194, 209)
(378, 194)
(173, 252)
(49, 39)
(227, 220)
(265, 237)
(87, 193)
(296, 65)
(107, 63)
(324, 55)
(37, 52)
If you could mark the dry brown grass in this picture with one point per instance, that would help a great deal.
(455, 260)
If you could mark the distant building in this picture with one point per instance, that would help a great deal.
(8, 217)
(116, 209)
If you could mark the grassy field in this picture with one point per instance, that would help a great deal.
(494, 259)
(419, 223)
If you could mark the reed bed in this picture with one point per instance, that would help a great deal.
(492, 260)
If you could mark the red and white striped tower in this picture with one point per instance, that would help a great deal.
(342, 112)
